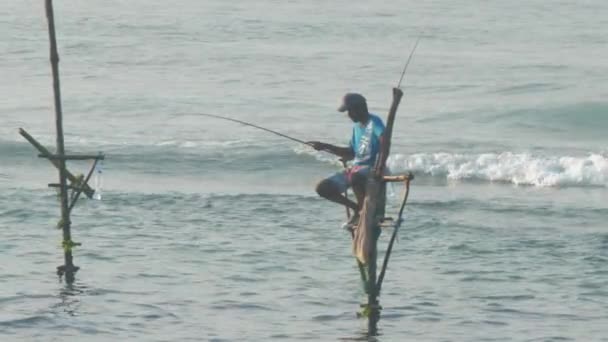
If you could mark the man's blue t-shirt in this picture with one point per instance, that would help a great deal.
(365, 141)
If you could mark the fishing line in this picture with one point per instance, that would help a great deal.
(296, 139)
(256, 126)
(408, 61)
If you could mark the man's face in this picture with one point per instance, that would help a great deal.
(354, 115)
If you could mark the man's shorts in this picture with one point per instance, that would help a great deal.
(344, 179)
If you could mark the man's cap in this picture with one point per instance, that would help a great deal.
(352, 100)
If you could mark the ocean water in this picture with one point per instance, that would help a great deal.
(211, 231)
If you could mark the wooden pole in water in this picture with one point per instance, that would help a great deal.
(368, 229)
(379, 168)
(47, 154)
(68, 268)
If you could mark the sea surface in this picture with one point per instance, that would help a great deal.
(209, 230)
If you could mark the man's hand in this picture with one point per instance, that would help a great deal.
(345, 153)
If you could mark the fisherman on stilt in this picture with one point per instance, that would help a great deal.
(363, 149)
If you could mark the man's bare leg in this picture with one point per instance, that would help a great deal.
(328, 190)
(358, 183)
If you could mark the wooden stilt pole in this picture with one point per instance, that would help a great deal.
(68, 268)
(47, 154)
(368, 229)
(78, 183)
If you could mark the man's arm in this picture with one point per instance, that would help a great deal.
(345, 153)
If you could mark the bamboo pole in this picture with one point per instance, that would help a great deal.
(399, 178)
(68, 268)
(367, 232)
(389, 249)
(81, 188)
(45, 152)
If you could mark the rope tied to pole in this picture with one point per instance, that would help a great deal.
(69, 244)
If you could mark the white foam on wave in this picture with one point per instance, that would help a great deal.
(516, 168)
(187, 144)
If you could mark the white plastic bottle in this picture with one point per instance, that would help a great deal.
(98, 182)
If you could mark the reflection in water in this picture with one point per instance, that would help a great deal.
(363, 335)
(70, 298)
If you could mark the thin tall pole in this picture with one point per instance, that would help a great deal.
(68, 267)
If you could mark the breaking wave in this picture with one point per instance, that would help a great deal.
(515, 168)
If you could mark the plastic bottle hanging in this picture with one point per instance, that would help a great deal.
(98, 181)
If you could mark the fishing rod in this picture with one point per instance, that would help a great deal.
(408, 61)
(256, 126)
(296, 139)
(265, 129)
(388, 131)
